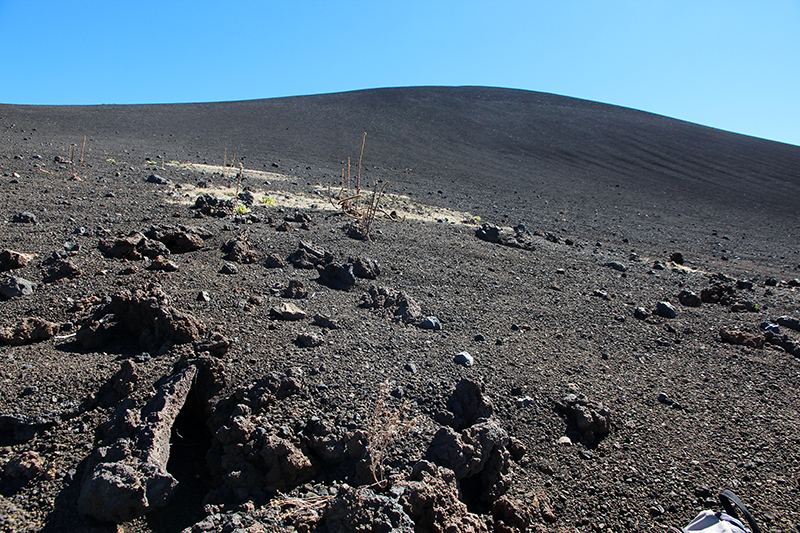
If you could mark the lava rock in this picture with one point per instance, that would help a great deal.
(287, 311)
(337, 276)
(158, 180)
(15, 287)
(479, 450)
(275, 261)
(789, 345)
(398, 304)
(365, 268)
(665, 310)
(589, 421)
(789, 322)
(361, 509)
(465, 406)
(769, 326)
(144, 312)
(309, 340)
(616, 266)
(295, 290)
(229, 268)
(717, 294)
(430, 322)
(26, 217)
(11, 260)
(179, 239)
(162, 264)
(431, 497)
(741, 338)
(689, 299)
(28, 331)
(61, 269)
(239, 251)
(464, 359)
(127, 477)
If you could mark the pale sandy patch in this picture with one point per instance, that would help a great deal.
(315, 197)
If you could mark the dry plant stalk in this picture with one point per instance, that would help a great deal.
(290, 506)
(388, 425)
(238, 186)
(224, 157)
(82, 149)
(350, 201)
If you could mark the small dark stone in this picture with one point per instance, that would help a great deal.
(616, 266)
(15, 287)
(464, 359)
(430, 322)
(26, 217)
(158, 180)
(689, 299)
(666, 310)
(229, 268)
(676, 258)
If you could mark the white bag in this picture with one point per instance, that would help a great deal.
(715, 522)
(727, 522)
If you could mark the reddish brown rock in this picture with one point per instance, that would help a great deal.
(741, 338)
(28, 331)
(10, 260)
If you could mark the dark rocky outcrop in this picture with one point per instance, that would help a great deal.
(395, 303)
(146, 314)
(127, 475)
(28, 331)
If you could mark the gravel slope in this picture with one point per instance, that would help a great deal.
(594, 185)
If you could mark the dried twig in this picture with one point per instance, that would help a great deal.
(80, 163)
(388, 425)
(349, 201)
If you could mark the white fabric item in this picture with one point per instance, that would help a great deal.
(711, 522)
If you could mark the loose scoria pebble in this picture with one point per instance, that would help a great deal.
(14, 287)
(788, 322)
(666, 310)
(464, 359)
(430, 322)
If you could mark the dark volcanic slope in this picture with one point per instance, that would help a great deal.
(688, 414)
(593, 171)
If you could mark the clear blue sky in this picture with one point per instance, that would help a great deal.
(729, 64)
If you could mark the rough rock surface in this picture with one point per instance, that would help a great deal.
(397, 304)
(478, 454)
(588, 420)
(360, 509)
(10, 260)
(466, 405)
(15, 287)
(431, 499)
(742, 338)
(28, 331)
(240, 251)
(127, 476)
(144, 312)
(179, 239)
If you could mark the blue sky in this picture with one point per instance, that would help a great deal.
(729, 64)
